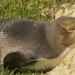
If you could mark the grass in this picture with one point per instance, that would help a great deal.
(28, 9)
(39, 10)
(24, 73)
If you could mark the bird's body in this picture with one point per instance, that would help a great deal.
(32, 45)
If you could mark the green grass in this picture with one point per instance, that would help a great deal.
(29, 9)
(24, 73)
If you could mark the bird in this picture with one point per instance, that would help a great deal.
(36, 46)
